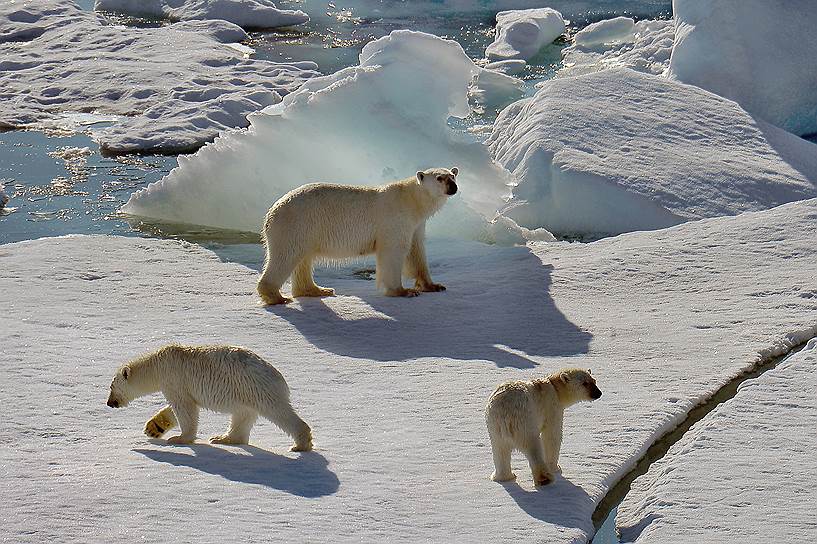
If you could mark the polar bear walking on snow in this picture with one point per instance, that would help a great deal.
(224, 379)
(528, 416)
(322, 220)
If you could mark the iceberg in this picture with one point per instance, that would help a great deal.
(369, 124)
(759, 53)
(619, 150)
(244, 13)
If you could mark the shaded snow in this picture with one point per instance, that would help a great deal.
(369, 124)
(244, 13)
(644, 46)
(174, 87)
(619, 150)
(759, 53)
(745, 473)
(520, 34)
(394, 389)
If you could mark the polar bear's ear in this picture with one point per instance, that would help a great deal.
(420, 176)
(125, 372)
(455, 170)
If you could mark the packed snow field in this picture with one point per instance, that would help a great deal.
(394, 389)
(686, 131)
(743, 474)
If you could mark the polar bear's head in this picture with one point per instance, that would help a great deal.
(440, 182)
(575, 385)
(122, 390)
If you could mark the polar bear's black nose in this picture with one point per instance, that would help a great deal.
(595, 393)
(113, 404)
(451, 188)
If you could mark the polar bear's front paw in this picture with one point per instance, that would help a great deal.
(430, 287)
(503, 477)
(542, 477)
(180, 440)
(402, 292)
(153, 429)
(316, 292)
(227, 439)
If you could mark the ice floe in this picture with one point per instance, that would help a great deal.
(759, 53)
(394, 389)
(244, 13)
(745, 473)
(369, 124)
(620, 150)
(4, 198)
(520, 34)
(171, 88)
(644, 46)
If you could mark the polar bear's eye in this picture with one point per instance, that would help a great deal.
(439, 178)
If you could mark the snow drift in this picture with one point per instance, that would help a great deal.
(376, 122)
(244, 13)
(168, 89)
(759, 53)
(618, 150)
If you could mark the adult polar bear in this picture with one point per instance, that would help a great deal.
(322, 220)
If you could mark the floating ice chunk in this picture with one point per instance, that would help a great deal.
(508, 66)
(618, 150)
(4, 198)
(244, 13)
(609, 31)
(759, 53)
(166, 89)
(369, 124)
(520, 34)
(644, 46)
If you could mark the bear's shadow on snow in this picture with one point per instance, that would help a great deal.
(307, 475)
(561, 503)
(496, 308)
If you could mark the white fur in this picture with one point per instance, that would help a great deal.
(528, 416)
(224, 379)
(328, 221)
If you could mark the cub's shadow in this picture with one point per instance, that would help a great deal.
(307, 475)
(561, 503)
(497, 308)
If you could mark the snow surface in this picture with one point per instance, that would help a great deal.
(369, 124)
(520, 34)
(619, 150)
(244, 13)
(175, 87)
(759, 53)
(745, 473)
(394, 389)
(644, 46)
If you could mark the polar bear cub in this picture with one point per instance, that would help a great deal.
(322, 220)
(528, 416)
(224, 379)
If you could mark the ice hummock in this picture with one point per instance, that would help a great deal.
(759, 53)
(520, 34)
(619, 150)
(244, 13)
(369, 124)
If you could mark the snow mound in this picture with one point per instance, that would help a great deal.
(399, 433)
(644, 46)
(520, 34)
(244, 13)
(173, 88)
(376, 122)
(745, 473)
(619, 150)
(759, 53)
